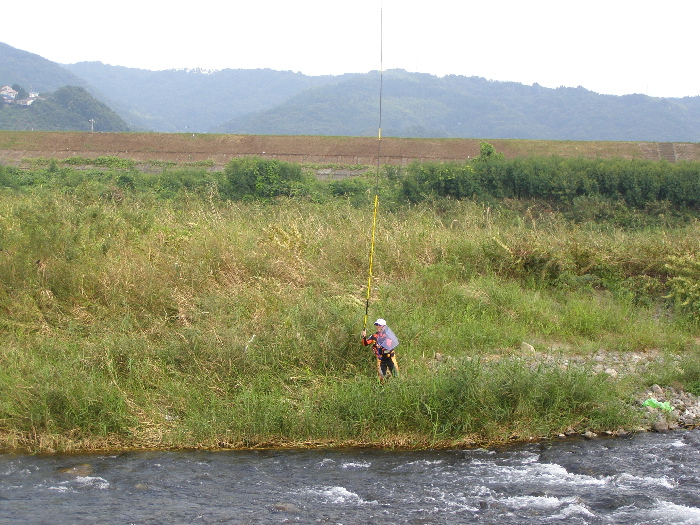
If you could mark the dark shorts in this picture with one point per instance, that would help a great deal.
(387, 364)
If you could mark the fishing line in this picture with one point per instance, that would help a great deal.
(379, 147)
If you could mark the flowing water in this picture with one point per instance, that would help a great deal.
(646, 479)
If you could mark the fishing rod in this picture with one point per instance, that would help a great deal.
(376, 186)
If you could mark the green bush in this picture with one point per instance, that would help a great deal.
(685, 283)
(569, 183)
(255, 178)
(77, 161)
(8, 177)
(114, 162)
(429, 180)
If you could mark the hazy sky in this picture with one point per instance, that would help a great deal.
(611, 47)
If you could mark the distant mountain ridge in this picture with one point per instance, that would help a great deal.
(33, 72)
(192, 100)
(70, 102)
(264, 101)
(422, 105)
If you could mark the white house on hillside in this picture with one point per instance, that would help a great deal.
(8, 94)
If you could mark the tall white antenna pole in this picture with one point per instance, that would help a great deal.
(381, 85)
(376, 191)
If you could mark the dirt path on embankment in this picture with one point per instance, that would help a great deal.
(16, 147)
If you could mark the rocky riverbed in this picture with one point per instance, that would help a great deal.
(679, 409)
(672, 408)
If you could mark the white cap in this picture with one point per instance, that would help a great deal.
(380, 322)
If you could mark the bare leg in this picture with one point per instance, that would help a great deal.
(379, 370)
(396, 367)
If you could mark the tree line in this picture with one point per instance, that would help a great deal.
(594, 188)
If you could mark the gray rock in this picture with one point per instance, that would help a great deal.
(661, 426)
(611, 372)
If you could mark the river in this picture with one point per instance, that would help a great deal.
(645, 479)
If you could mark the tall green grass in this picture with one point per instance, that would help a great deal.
(131, 318)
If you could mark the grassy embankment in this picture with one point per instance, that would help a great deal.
(135, 321)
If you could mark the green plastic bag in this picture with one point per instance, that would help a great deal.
(651, 402)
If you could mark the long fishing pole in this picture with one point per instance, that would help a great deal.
(379, 147)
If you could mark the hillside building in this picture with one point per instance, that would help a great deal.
(8, 94)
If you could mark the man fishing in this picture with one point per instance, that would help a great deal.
(383, 343)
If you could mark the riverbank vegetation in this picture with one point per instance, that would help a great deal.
(223, 309)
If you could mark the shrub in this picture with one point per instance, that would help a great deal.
(685, 283)
(430, 180)
(76, 160)
(114, 162)
(8, 177)
(255, 178)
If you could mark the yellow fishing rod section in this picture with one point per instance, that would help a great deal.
(371, 257)
(379, 149)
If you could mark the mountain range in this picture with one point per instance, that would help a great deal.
(269, 102)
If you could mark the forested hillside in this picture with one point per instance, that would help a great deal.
(69, 108)
(421, 105)
(263, 101)
(192, 101)
(33, 72)
(266, 102)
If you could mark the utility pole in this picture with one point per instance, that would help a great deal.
(92, 125)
